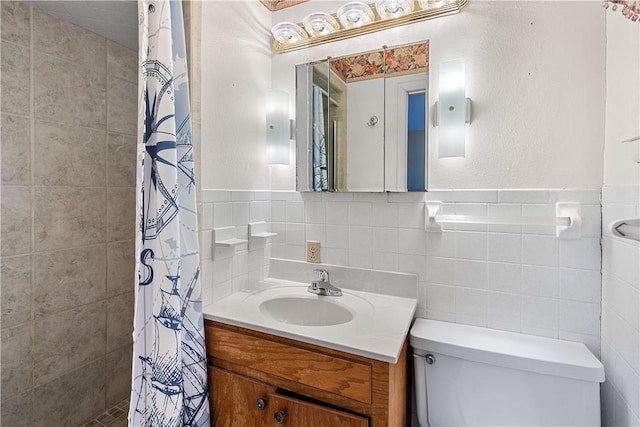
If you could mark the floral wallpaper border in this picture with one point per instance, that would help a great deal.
(400, 60)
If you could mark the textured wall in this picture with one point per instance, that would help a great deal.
(68, 212)
(623, 100)
(535, 125)
(236, 63)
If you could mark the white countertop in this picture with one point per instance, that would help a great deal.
(379, 327)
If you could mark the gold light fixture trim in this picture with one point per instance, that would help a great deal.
(274, 5)
(449, 7)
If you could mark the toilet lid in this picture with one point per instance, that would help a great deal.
(508, 349)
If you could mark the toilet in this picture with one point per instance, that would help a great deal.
(472, 376)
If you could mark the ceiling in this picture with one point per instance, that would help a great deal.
(116, 20)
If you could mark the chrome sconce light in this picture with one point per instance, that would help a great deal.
(278, 127)
(453, 109)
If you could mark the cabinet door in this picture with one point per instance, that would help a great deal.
(296, 413)
(238, 401)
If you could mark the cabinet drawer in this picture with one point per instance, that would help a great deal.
(305, 414)
(326, 372)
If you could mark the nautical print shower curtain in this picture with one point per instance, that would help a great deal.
(169, 378)
(319, 144)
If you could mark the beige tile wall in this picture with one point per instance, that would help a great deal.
(68, 217)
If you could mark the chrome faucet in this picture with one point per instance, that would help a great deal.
(321, 285)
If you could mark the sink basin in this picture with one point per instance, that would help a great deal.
(306, 311)
(364, 323)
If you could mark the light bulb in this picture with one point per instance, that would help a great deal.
(320, 24)
(354, 14)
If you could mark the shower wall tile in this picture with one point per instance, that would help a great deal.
(67, 217)
(68, 278)
(15, 22)
(17, 409)
(65, 340)
(120, 267)
(121, 213)
(15, 150)
(122, 62)
(121, 160)
(119, 321)
(59, 164)
(15, 290)
(122, 109)
(118, 375)
(68, 155)
(15, 221)
(16, 358)
(14, 79)
(79, 395)
(69, 93)
(64, 40)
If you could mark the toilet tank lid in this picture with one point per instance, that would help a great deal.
(517, 351)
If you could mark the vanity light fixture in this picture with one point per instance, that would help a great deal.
(287, 33)
(356, 18)
(427, 4)
(355, 14)
(320, 24)
(453, 109)
(278, 127)
(390, 9)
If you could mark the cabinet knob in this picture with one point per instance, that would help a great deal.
(280, 417)
(261, 403)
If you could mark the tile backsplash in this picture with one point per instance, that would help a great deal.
(519, 278)
(509, 277)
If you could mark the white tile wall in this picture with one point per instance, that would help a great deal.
(514, 278)
(225, 270)
(620, 311)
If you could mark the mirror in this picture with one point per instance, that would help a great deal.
(361, 121)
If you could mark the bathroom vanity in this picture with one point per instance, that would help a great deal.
(259, 379)
(279, 354)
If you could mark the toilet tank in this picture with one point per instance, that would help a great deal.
(472, 376)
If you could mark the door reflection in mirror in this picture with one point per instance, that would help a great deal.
(416, 135)
(362, 121)
(320, 181)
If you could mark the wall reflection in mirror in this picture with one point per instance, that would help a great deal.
(361, 121)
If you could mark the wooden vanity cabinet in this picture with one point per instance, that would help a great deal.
(259, 379)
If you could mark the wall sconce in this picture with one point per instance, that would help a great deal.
(278, 127)
(453, 109)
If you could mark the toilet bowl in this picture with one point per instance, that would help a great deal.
(472, 376)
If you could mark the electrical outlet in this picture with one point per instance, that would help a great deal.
(313, 251)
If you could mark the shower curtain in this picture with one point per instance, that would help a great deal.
(169, 378)
(319, 144)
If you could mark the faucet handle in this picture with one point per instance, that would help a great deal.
(321, 274)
